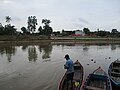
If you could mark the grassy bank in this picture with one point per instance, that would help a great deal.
(39, 39)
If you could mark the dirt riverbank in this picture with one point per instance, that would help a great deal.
(37, 40)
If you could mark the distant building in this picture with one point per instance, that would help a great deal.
(79, 33)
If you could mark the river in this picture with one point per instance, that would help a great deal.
(40, 67)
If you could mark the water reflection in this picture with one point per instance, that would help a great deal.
(46, 50)
(9, 50)
(32, 54)
(47, 70)
(24, 47)
(113, 47)
(85, 47)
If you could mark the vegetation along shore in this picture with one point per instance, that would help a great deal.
(45, 33)
(39, 39)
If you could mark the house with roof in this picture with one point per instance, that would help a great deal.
(78, 33)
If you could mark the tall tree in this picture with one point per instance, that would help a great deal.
(86, 31)
(32, 22)
(1, 29)
(46, 28)
(8, 19)
(9, 29)
(40, 30)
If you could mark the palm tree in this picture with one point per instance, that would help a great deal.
(8, 19)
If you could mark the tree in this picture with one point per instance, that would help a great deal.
(114, 31)
(1, 29)
(8, 19)
(86, 31)
(1, 25)
(32, 22)
(9, 30)
(24, 30)
(46, 28)
(46, 22)
(40, 30)
(103, 33)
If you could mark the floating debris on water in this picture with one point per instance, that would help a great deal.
(91, 59)
(94, 61)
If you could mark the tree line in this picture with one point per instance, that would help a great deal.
(102, 33)
(9, 29)
(46, 30)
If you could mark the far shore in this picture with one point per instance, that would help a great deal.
(38, 40)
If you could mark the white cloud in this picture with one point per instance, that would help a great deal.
(6, 2)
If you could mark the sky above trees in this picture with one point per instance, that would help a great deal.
(64, 14)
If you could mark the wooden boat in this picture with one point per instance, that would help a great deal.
(98, 80)
(77, 78)
(114, 72)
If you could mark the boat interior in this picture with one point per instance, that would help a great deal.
(77, 79)
(96, 82)
(115, 72)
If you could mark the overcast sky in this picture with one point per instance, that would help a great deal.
(64, 14)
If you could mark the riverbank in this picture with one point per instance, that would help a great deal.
(38, 39)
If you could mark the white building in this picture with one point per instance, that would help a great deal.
(79, 33)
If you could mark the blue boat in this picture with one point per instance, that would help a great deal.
(114, 72)
(98, 80)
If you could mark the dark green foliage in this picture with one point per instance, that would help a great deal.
(47, 30)
(67, 33)
(24, 30)
(1, 29)
(32, 22)
(103, 33)
(56, 33)
(86, 31)
(9, 30)
(46, 22)
(115, 33)
(40, 30)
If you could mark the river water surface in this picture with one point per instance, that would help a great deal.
(40, 67)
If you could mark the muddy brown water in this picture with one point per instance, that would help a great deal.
(40, 67)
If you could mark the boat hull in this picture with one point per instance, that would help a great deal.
(98, 80)
(77, 78)
(114, 76)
